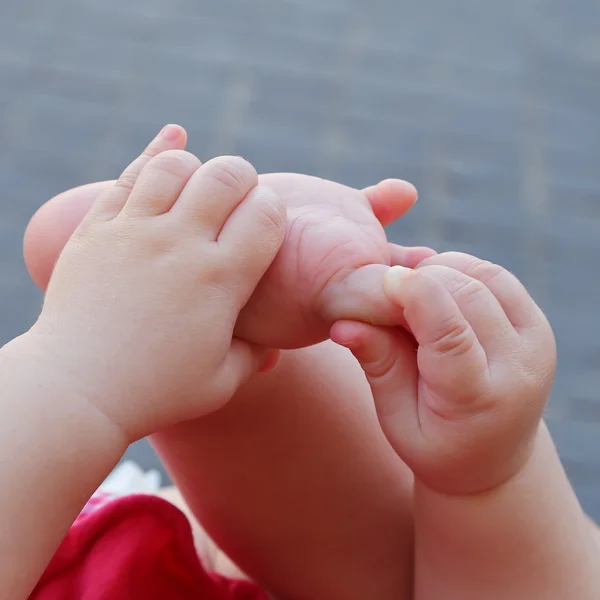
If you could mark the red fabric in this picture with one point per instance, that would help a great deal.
(134, 547)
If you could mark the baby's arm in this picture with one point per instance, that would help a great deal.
(56, 449)
(527, 538)
(141, 307)
(495, 516)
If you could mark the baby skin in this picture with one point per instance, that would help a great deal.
(495, 516)
(325, 526)
(151, 278)
(334, 249)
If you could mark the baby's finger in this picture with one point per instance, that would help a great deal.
(518, 305)
(251, 238)
(480, 307)
(450, 355)
(409, 256)
(110, 203)
(391, 199)
(160, 183)
(215, 191)
(387, 357)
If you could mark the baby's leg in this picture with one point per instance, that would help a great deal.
(301, 488)
(212, 557)
(295, 478)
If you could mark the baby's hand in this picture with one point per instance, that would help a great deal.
(461, 405)
(139, 315)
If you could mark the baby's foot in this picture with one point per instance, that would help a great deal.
(332, 231)
(143, 300)
(52, 225)
(461, 404)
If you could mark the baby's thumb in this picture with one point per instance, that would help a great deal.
(244, 360)
(388, 358)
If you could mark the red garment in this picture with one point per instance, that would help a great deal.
(135, 547)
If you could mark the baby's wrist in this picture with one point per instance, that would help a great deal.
(532, 522)
(36, 370)
(487, 479)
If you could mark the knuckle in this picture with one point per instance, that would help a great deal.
(149, 153)
(126, 180)
(541, 357)
(381, 367)
(271, 212)
(480, 269)
(486, 271)
(453, 338)
(158, 240)
(468, 290)
(175, 162)
(233, 173)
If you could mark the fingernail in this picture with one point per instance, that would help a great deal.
(394, 280)
(170, 133)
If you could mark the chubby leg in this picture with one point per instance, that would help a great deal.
(295, 479)
(296, 482)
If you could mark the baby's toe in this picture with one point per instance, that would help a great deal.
(160, 183)
(391, 199)
(215, 191)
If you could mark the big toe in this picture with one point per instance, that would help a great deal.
(391, 199)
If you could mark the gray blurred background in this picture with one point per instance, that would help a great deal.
(490, 108)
